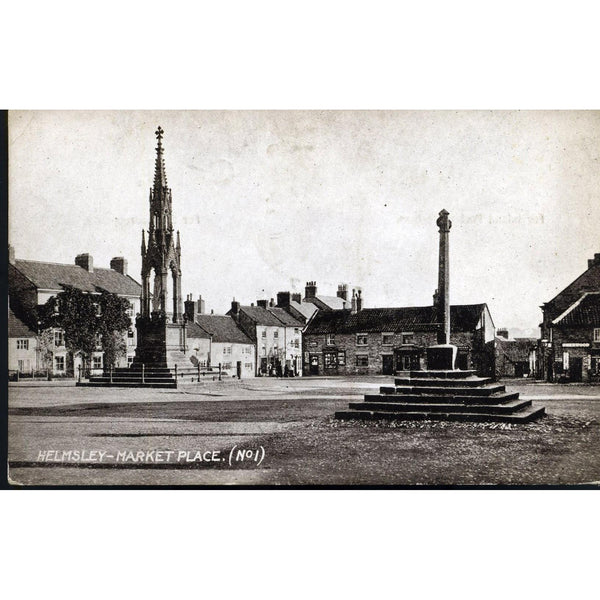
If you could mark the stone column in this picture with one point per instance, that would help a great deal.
(443, 307)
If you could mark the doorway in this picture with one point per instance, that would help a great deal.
(387, 364)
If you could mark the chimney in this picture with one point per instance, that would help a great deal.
(310, 291)
(85, 261)
(272, 303)
(119, 264)
(353, 307)
(200, 305)
(594, 261)
(283, 299)
(189, 308)
(297, 298)
(359, 300)
(235, 309)
(342, 291)
(262, 303)
(503, 333)
(11, 255)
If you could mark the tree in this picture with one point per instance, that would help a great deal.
(113, 323)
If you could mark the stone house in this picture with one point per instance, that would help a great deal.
(515, 357)
(33, 283)
(569, 347)
(277, 336)
(375, 341)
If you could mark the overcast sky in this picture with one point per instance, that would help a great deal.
(266, 201)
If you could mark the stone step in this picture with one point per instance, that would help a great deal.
(126, 384)
(103, 379)
(508, 407)
(455, 374)
(472, 381)
(524, 416)
(497, 398)
(484, 390)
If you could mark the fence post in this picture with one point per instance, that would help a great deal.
(111, 373)
(79, 371)
(142, 373)
(198, 372)
(17, 374)
(219, 371)
(175, 374)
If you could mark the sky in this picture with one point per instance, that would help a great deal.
(268, 200)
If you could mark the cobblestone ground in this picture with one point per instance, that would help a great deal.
(281, 432)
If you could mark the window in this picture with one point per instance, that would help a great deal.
(22, 345)
(226, 366)
(362, 339)
(362, 360)
(130, 338)
(296, 330)
(341, 359)
(130, 310)
(330, 340)
(248, 366)
(387, 339)
(264, 333)
(276, 334)
(130, 360)
(597, 335)
(330, 360)
(407, 338)
(97, 362)
(59, 338)
(98, 339)
(264, 350)
(226, 350)
(59, 363)
(98, 309)
(296, 343)
(24, 365)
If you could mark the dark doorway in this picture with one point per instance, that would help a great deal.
(388, 364)
(462, 360)
(314, 364)
(575, 368)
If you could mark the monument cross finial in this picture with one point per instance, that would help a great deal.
(159, 133)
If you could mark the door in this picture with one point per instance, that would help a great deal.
(575, 368)
(388, 364)
(314, 364)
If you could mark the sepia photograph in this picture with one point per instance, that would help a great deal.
(303, 298)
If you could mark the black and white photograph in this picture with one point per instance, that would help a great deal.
(304, 298)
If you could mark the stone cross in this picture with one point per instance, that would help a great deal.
(443, 306)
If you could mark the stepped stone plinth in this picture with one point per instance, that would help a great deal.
(447, 395)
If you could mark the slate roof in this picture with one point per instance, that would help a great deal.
(394, 320)
(261, 316)
(306, 309)
(18, 329)
(223, 329)
(53, 276)
(333, 302)
(583, 312)
(285, 317)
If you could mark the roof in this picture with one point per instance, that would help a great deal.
(54, 276)
(16, 327)
(285, 317)
(588, 281)
(306, 309)
(222, 328)
(394, 320)
(585, 311)
(261, 316)
(333, 302)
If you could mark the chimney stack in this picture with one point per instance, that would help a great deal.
(342, 291)
(262, 303)
(310, 290)
(235, 309)
(594, 261)
(283, 299)
(353, 305)
(190, 308)
(119, 264)
(359, 300)
(11, 255)
(297, 298)
(85, 261)
(503, 333)
(272, 303)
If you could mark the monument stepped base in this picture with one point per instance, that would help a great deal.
(445, 396)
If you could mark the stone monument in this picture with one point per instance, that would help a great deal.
(443, 392)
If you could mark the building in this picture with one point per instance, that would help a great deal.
(215, 342)
(22, 346)
(33, 283)
(336, 302)
(277, 336)
(375, 341)
(515, 357)
(292, 304)
(569, 347)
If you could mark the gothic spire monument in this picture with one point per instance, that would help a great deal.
(160, 326)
